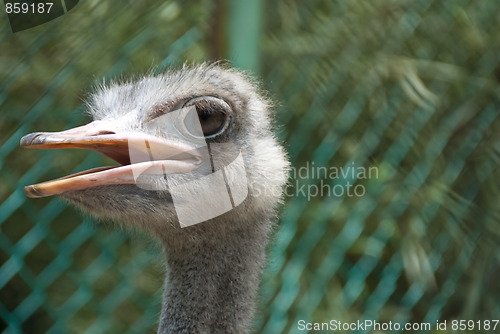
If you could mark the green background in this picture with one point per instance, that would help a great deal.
(409, 87)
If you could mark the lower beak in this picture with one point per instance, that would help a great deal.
(139, 155)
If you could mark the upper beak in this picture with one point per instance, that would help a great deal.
(140, 155)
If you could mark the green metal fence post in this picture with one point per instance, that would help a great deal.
(243, 31)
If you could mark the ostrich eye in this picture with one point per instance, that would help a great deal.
(212, 114)
(211, 122)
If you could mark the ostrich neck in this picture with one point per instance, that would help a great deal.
(212, 281)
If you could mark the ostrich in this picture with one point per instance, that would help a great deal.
(170, 132)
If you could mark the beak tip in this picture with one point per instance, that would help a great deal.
(31, 139)
(27, 191)
(32, 192)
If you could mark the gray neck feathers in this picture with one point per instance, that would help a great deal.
(212, 277)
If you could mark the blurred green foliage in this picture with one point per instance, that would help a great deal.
(409, 87)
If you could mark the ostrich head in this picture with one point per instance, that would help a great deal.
(200, 169)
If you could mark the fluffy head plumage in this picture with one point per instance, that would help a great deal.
(130, 105)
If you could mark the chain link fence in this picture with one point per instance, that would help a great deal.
(407, 91)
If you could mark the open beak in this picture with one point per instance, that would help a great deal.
(139, 154)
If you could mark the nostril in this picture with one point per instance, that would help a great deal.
(105, 133)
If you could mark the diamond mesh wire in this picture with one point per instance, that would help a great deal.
(408, 87)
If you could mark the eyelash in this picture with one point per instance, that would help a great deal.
(162, 109)
(166, 107)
